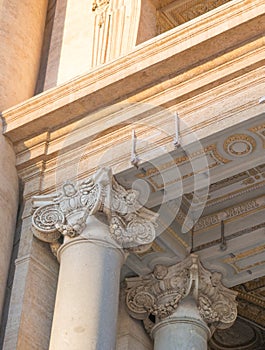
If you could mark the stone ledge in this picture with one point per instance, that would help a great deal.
(169, 54)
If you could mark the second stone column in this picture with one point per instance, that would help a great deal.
(181, 305)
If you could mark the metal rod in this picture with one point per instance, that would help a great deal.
(223, 245)
(192, 240)
(176, 141)
(134, 158)
(262, 99)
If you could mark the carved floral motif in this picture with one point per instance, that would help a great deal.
(65, 213)
(159, 293)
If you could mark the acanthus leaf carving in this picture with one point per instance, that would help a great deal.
(159, 293)
(65, 213)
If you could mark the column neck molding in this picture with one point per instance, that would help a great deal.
(83, 240)
(67, 214)
(158, 295)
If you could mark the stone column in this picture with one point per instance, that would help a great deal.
(90, 227)
(181, 305)
(21, 30)
(184, 330)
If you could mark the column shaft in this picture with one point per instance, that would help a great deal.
(184, 330)
(85, 314)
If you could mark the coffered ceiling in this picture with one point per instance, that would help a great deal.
(221, 180)
(172, 13)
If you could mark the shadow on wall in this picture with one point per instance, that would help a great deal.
(52, 44)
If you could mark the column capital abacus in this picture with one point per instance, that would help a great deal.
(158, 295)
(65, 214)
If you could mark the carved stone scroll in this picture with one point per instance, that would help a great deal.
(65, 213)
(157, 295)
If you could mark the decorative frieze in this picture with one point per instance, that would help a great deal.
(260, 131)
(239, 145)
(154, 297)
(65, 213)
(230, 213)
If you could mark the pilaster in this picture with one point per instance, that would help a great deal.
(21, 30)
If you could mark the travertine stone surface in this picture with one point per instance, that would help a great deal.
(184, 330)
(89, 35)
(197, 57)
(32, 300)
(210, 70)
(130, 332)
(8, 209)
(86, 306)
(21, 31)
(147, 25)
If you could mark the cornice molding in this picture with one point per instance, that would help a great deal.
(73, 100)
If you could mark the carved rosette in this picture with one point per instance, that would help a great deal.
(157, 295)
(65, 213)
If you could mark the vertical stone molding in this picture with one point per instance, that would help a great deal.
(21, 32)
(8, 210)
(89, 226)
(181, 305)
(91, 34)
(116, 25)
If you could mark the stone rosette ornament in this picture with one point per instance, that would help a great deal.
(65, 213)
(155, 297)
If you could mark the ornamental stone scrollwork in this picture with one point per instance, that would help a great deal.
(154, 297)
(65, 214)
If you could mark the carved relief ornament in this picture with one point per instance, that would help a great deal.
(157, 295)
(65, 213)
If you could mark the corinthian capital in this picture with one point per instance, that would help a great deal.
(66, 212)
(159, 294)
